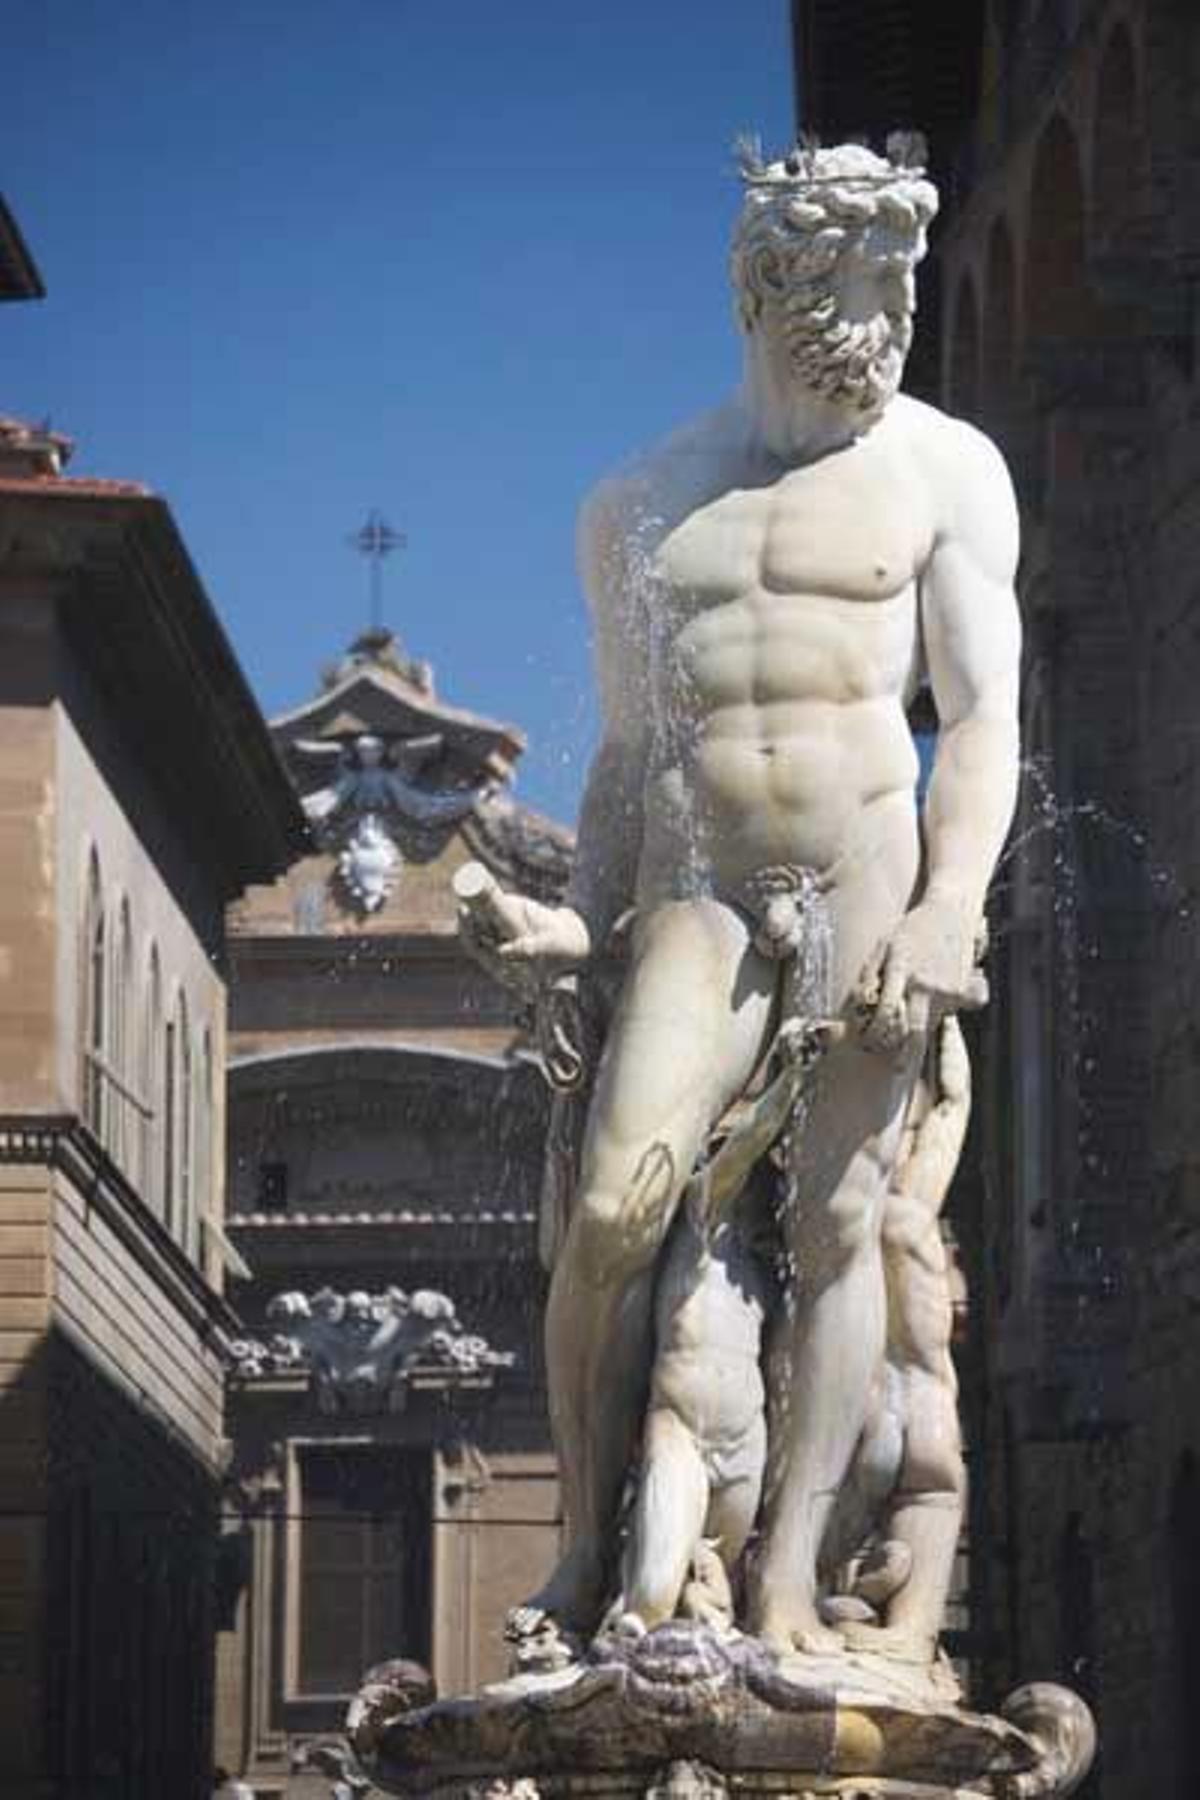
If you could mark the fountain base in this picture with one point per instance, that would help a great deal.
(686, 1712)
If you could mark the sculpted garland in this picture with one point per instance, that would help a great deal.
(749, 1319)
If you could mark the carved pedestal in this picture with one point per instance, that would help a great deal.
(684, 1712)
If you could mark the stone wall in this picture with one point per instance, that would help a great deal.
(1068, 265)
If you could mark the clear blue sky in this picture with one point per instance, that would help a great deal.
(451, 261)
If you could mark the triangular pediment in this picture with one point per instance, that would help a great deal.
(367, 700)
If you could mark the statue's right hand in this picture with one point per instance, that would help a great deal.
(516, 939)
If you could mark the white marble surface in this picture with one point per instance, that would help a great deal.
(769, 587)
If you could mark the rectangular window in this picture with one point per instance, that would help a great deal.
(361, 1581)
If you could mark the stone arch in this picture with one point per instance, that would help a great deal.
(1065, 315)
(964, 350)
(998, 354)
(293, 1117)
(1000, 389)
(1117, 141)
(1055, 280)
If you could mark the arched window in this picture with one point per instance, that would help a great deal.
(1057, 298)
(151, 1084)
(94, 986)
(1064, 313)
(169, 1140)
(964, 355)
(1117, 146)
(1003, 393)
(999, 322)
(121, 1133)
(205, 1204)
(186, 1223)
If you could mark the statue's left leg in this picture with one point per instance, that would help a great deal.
(831, 1335)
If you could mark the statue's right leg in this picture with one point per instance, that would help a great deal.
(690, 1026)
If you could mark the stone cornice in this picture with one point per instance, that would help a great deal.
(303, 1219)
(61, 1141)
(149, 637)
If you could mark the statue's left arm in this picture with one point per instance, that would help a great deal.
(971, 632)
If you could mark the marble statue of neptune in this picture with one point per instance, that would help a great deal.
(770, 587)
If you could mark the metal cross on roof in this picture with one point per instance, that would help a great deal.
(375, 540)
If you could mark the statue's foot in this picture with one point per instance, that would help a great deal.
(894, 1642)
(561, 1614)
(878, 1576)
(620, 1623)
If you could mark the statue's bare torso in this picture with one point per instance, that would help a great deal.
(787, 645)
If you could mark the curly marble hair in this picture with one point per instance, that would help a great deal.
(799, 217)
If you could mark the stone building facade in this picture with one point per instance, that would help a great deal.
(1066, 257)
(1069, 264)
(139, 794)
(392, 1489)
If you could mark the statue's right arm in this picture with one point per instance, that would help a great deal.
(609, 844)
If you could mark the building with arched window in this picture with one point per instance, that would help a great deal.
(141, 794)
(1065, 258)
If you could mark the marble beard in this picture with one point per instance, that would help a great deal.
(749, 1007)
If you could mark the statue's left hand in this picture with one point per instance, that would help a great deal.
(927, 963)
